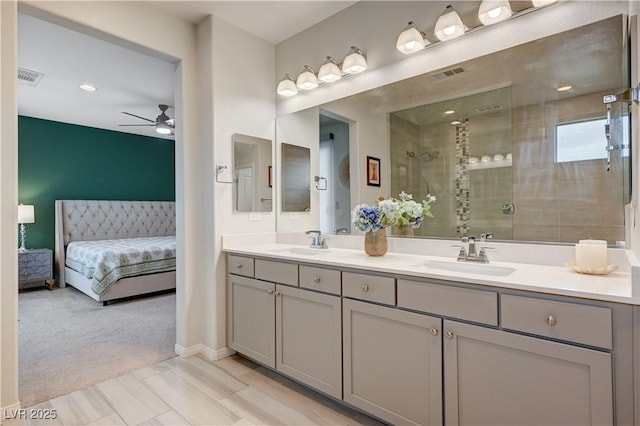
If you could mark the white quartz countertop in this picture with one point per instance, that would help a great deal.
(557, 280)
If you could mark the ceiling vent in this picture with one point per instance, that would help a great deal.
(29, 78)
(448, 73)
(489, 108)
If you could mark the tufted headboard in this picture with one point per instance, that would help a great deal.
(87, 220)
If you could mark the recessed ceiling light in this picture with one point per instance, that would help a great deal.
(564, 88)
(88, 87)
(449, 112)
(456, 122)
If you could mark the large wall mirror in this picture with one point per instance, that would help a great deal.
(252, 174)
(504, 140)
(296, 175)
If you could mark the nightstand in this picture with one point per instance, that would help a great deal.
(36, 265)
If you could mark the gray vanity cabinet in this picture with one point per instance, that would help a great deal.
(493, 377)
(252, 312)
(392, 363)
(309, 338)
(296, 331)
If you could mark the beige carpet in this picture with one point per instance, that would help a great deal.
(68, 341)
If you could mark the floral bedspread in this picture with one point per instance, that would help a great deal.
(106, 261)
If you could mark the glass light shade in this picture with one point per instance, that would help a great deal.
(540, 3)
(26, 214)
(287, 86)
(355, 61)
(329, 71)
(449, 25)
(307, 79)
(411, 40)
(163, 128)
(492, 11)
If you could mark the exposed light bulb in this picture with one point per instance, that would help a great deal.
(494, 13)
(449, 30)
(411, 40)
(449, 25)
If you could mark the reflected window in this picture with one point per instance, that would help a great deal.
(581, 140)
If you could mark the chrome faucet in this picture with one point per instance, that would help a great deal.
(470, 254)
(316, 240)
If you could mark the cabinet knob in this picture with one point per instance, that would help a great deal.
(551, 320)
(434, 331)
(449, 335)
(316, 279)
(269, 292)
(277, 293)
(365, 288)
(238, 265)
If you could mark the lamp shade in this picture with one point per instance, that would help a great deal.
(287, 86)
(355, 61)
(411, 40)
(26, 214)
(307, 79)
(492, 11)
(329, 71)
(449, 25)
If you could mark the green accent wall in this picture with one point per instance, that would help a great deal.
(60, 161)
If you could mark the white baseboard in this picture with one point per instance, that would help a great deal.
(211, 354)
(10, 412)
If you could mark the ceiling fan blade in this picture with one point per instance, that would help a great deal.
(137, 125)
(137, 116)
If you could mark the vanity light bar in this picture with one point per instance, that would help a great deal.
(449, 25)
(354, 63)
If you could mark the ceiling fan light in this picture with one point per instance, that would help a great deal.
(287, 86)
(163, 128)
(355, 62)
(411, 40)
(449, 25)
(493, 11)
(329, 71)
(307, 79)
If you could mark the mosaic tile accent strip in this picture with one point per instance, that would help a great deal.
(462, 179)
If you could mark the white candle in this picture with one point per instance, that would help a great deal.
(591, 254)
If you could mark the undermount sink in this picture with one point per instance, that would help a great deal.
(470, 268)
(305, 251)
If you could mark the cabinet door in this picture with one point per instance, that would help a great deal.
(309, 338)
(252, 312)
(494, 377)
(392, 363)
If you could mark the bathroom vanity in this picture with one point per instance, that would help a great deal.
(422, 339)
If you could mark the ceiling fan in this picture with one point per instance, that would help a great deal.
(163, 124)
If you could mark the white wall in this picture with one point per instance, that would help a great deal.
(242, 68)
(8, 207)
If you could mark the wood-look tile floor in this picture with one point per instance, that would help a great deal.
(195, 391)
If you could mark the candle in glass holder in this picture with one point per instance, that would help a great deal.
(591, 254)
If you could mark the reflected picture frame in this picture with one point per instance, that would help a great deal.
(373, 171)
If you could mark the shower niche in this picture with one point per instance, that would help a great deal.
(461, 151)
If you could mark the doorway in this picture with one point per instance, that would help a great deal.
(334, 180)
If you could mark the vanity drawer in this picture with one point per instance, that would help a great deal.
(370, 288)
(240, 265)
(590, 325)
(449, 301)
(277, 272)
(325, 280)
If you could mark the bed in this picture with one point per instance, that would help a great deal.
(105, 231)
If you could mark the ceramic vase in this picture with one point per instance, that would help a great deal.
(375, 242)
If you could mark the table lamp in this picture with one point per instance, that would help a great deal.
(26, 214)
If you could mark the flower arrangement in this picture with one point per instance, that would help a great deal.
(392, 212)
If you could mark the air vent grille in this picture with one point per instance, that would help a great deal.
(29, 78)
(448, 73)
(489, 108)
